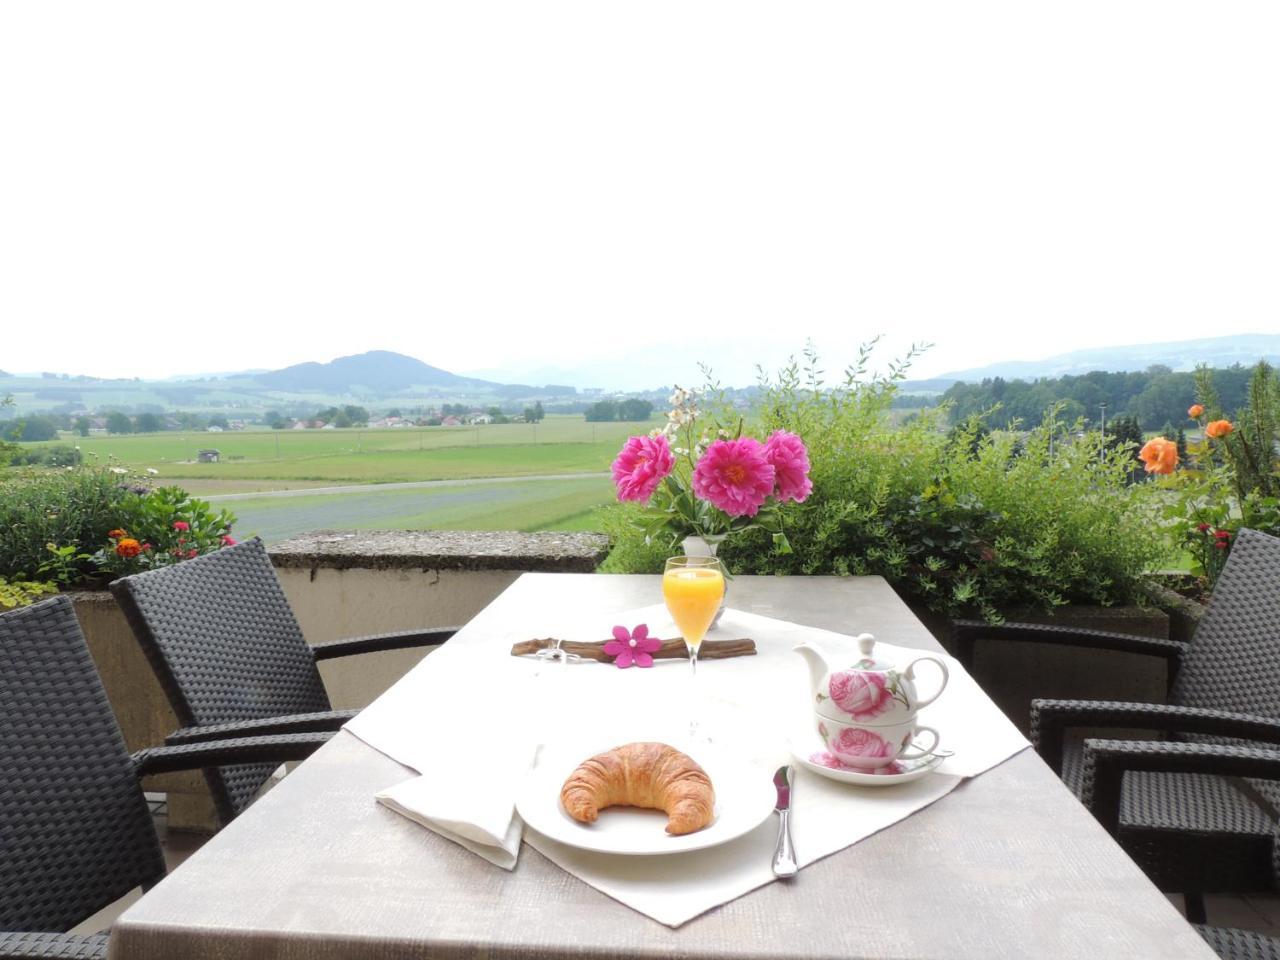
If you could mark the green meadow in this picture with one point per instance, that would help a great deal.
(295, 460)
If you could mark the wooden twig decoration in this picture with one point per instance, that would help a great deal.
(670, 650)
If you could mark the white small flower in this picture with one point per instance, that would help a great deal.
(118, 470)
(70, 468)
(153, 471)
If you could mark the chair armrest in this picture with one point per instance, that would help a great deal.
(965, 632)
(1050, 719)
(1106, 761)
(383, 641)
(218, 753)
(26, 945)
(293, 723)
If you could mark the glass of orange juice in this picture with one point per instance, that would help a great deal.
(693, 588)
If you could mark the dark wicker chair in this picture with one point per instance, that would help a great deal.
(75, 830)
(1232, 944)
(223, 640)
(1179, 807)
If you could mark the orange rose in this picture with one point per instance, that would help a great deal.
(1196, 411)
(1219, 429)
(128, 547)
(1159, 455)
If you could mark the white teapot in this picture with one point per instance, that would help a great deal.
(868, 692)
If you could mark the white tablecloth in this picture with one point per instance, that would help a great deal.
(470, 717)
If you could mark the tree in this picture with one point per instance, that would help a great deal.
(148, 423)
(534, 414)
(635, 410)
(117, 422)
(219, 421)
(601, 411)
(275, 420)
(82, 425)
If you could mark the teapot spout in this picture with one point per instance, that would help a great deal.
(816, 661)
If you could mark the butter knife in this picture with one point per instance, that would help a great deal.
(784, 856)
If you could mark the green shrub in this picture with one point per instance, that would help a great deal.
(163, 527)
(964, 523)
(73, 508)
(19, 593)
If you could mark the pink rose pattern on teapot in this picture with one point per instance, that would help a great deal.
(864, 695)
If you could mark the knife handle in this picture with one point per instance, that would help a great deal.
(784, 856)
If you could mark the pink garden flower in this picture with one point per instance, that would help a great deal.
(181, 525)
(640, 467)
(790, 462)
(856, 742)
(735, 476)
(228, 541)
(863, 695)
(632, 647)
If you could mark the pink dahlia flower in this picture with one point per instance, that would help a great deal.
(640, 467)
(735, 476)
(790, 462)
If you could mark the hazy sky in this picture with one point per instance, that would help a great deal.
(539, 185)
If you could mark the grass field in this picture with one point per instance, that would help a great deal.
(280, 460)
(517, 505)
(279, 457)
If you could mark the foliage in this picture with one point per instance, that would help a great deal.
(963, 523)
(1153, 396)
(1229, 482)
(118, 422)
(602, 411)
(55, 455)
(66, 508)
(30, 429)
(19, 593)
(160, 528)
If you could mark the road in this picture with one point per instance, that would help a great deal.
(404, 485)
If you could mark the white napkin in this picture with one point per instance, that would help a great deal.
(472, 715)
(480, 818)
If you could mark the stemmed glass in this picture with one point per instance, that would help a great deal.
(693, 588)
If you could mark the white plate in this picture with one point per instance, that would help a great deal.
(745, 796)
(812, 754)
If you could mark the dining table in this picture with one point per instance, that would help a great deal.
(1006, 864)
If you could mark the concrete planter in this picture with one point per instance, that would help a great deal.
(1014, 673)
(140, 706)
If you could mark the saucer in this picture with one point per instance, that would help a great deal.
(811, 753)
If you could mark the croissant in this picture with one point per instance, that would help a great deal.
(651, 775)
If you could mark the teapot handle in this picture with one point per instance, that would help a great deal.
(910, 674)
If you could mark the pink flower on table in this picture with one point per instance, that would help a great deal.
(861, 694)
(640, 467)
(181, 525)
(790, 462)
(632, 646)
(735, 476)
(856, 742)
(824, 759)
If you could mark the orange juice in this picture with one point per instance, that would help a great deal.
(693, 596)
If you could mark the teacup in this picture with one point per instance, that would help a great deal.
(871, 747)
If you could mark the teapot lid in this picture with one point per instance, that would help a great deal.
(869, 661)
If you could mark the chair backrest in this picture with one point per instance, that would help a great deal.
(75, 832)
(1234, 659)
(223, 640)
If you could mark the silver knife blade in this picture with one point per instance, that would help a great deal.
(784, 855)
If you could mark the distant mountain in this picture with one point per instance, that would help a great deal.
(377, 370)
(1245, 349)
